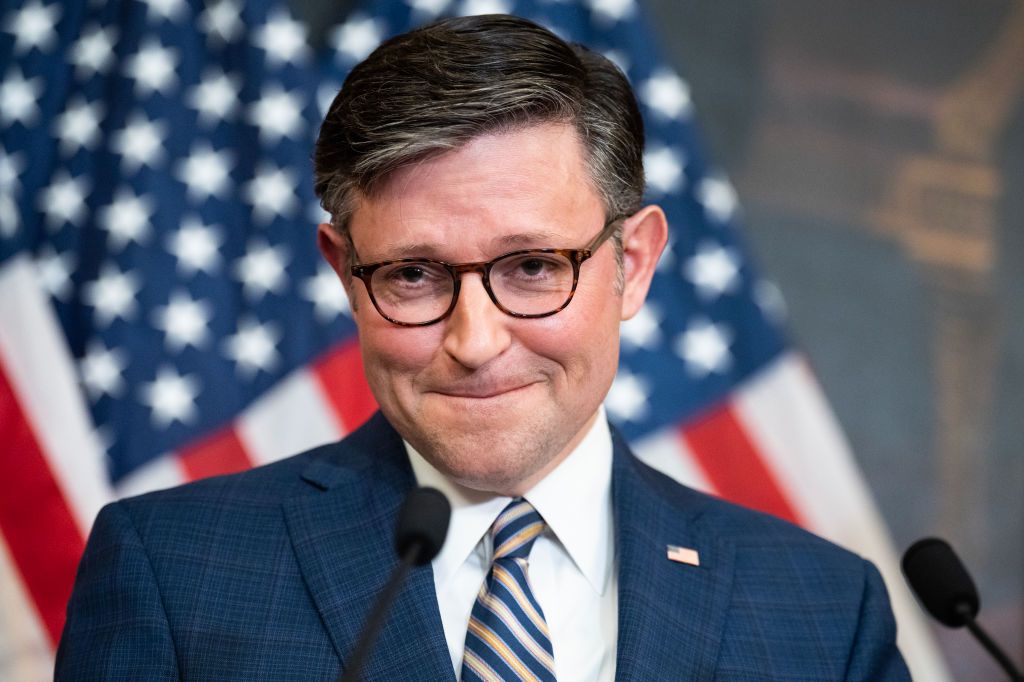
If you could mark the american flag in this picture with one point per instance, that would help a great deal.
(165, 316)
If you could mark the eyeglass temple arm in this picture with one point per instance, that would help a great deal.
(606, 232)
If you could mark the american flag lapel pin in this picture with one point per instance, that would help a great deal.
(683, 555)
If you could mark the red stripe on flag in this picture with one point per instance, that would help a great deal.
(221, 453)
(35, 519)
(340, 374)
(733, 465)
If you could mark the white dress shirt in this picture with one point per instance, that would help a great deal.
(572, 564)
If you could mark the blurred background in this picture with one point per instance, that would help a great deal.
(878, 151)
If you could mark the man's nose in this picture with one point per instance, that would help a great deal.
(477, 330)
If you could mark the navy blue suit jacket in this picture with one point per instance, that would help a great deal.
(269, 574)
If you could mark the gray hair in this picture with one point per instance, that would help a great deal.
(434, 89)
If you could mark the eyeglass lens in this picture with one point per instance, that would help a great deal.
(532, 283)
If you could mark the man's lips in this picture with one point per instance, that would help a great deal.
(481, 392)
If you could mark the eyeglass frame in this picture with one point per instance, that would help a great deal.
(575, 256)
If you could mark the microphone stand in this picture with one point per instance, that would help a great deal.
(965, 611)
(380, 611)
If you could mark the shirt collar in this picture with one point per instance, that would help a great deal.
(574, 500)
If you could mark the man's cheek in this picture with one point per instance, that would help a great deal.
(397, 350)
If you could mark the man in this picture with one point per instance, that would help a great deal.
(484, 181)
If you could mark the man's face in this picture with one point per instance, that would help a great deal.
(494, 402)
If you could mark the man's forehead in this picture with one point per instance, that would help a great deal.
(392, 246)
(525, 188)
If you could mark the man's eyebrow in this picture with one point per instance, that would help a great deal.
(435, 251)
(526, 239)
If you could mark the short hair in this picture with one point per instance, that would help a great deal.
(434, 89)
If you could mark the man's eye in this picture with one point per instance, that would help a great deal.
(532, 267)
(410, 274)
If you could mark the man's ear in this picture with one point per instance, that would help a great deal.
(644, 235)
(335, 248)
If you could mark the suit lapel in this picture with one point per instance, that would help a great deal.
(671, 615)
(342, 535)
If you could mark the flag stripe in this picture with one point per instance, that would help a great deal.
(35, 519)
(291, 417)
(41, 374)
(163, 472)
(220, 453)
(667, 452)
(786, 413)
(25, 647)
(733, 464)
(340, 375)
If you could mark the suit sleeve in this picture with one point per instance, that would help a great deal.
(116, 626)
(874, 655)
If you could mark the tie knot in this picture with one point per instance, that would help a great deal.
(515, 529)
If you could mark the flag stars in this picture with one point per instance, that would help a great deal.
(283, 39)
(643, 330)
(19, 98)
(277, 114)
(205, 172)
(619, 58)
(271, 193)
(704, 347)
(358, 37)
(215, 97)
(253, 347)
(102, 371)
(165, 9)
(63, 201)
(152, 69)
(325, 292)
(94, 52)
(171, 397)
(627, 399)
(33, 26)
(713, 270)
(770, 300)
(196, 247)
(663, 167)
(611, 10)
(471, 8)
(54, 272)
(126, 219)
(112, 295)
(79, 125)
(430, 8)
(261, 270)
(221, 21)
(184, 322)
(666, 94)
(140, 143)
(11, 166)
(718, 197)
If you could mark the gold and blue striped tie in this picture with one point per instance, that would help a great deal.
(508, 638)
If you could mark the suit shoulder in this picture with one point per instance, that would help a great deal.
(267, 484)
(748, 529)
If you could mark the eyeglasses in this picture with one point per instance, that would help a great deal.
(415, 292)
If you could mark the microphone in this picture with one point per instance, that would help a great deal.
(419, 536)
(945, 589)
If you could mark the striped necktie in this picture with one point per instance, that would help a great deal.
(508, 638)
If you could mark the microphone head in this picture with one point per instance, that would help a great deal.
(941, 582)
(423, 521)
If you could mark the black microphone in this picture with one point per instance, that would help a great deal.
(419, 536)
(946, 590)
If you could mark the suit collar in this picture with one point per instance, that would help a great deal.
(671, 615)
(336, 534)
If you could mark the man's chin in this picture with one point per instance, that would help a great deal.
(499, 464)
